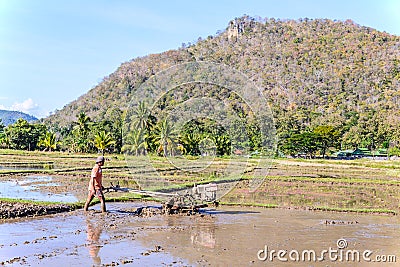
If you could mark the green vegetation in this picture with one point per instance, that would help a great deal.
(13, 200)
(48, 141)
(308, 142)
(103, 140)
(85, 136)
(383, 211)
(22, 135)
(249, 204)
(321, 78)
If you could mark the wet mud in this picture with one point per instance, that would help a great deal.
(225, 236)
(10, 210)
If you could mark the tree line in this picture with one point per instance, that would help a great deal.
(144, 133)
(83, 136)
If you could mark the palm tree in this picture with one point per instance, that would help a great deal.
(165, 135)
(141, 116)
(48, 141)
(103, 140)
(190, 142)
(82, 124)
(222, 142)
(81, 132)
(135, 142)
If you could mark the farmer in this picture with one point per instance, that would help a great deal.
(95, 185)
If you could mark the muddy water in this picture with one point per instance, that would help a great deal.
(78, 239)
(34, 187)
(223, 237)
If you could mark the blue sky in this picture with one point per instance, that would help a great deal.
(51, 52)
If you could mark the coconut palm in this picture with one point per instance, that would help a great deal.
(81, 131)
(165, 136)
(48, 141)
(103, 140)
(135, 142)
(141, 116)
(222, 143)
(82, 124)
(190, 142)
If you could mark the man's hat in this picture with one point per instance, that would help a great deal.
(100, 159)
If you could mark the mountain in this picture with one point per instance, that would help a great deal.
(312, 72)
(9, 117)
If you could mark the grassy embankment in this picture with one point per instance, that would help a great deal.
(353, 186)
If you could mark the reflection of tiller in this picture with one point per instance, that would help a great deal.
(187, 201)
(203, 236)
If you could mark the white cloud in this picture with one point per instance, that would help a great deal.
(27, 106)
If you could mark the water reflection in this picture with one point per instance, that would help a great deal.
(201, 232)
(203, 235)
(94, 230)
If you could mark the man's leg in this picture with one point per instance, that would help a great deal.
(103, 203)
(88, 200)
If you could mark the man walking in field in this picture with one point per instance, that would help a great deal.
(95, 185)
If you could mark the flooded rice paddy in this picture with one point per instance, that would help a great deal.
(34, 187)
(217, 237)
(227, 236)
(26, 166)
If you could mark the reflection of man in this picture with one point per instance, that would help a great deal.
(95, 185)
(93, 236)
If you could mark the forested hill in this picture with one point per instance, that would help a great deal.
(9, 117)
(313, 72)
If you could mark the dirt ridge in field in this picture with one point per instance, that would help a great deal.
(9, 210)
